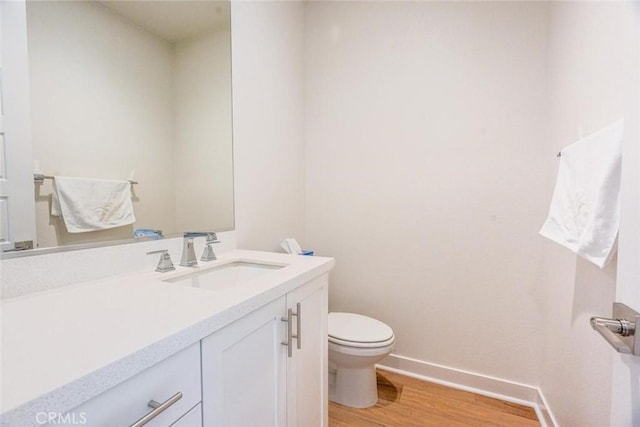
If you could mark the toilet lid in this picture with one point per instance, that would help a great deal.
(356, 328)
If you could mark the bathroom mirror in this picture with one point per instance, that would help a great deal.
(133, 90)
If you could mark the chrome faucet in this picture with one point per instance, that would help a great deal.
(188, 252)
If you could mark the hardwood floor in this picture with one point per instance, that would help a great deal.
(409, 402)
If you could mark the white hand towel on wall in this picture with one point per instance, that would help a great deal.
(585, 208)
(87, 204)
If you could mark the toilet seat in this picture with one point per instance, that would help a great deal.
(363, 344)
(356, 330)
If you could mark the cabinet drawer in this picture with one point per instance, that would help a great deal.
(127, 402)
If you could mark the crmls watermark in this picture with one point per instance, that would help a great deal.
(56, 418)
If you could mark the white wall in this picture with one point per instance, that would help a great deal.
(202, 132)
(426, 171)
(592, 73)
(268, 111)
(107, 100)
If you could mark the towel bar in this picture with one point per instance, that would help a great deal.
(39, 178)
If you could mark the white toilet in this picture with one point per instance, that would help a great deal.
(356, 344)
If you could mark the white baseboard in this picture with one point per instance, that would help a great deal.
(481, 384)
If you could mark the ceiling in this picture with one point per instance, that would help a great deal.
(173, 20)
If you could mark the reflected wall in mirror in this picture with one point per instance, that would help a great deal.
(134, 90)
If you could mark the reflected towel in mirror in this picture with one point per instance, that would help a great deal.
(88, 204)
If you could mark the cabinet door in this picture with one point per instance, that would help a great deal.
(244, 371)
(307, 368)
(193, 418)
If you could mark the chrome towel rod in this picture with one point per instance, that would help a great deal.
(39, 178)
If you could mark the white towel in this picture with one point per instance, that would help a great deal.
(87, 204)
(585, 208)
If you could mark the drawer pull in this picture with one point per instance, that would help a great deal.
(298, 336)
(288, 343)
(290, 335)
(158, 408)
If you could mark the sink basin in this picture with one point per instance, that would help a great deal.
(225, 276)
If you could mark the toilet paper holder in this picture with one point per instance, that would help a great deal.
(620, 330)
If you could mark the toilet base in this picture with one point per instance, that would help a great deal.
(354, 387)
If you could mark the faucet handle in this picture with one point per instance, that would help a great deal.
(165, 263)
(212, 238)
(208, 254)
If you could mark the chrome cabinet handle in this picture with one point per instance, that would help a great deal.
(158, 408)
(290, 335)
(287, 343)
(298, 336)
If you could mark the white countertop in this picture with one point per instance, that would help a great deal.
(65, 346)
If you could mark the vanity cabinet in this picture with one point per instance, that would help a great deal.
(127, 402)
(249, 378)
(248, 353)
